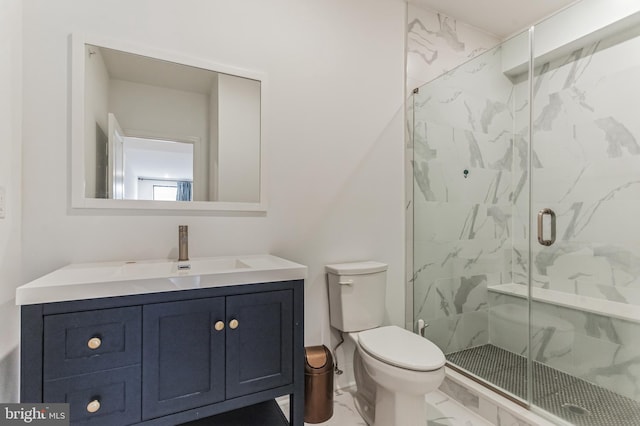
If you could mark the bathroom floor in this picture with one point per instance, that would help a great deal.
(441, 411)
(568, 397)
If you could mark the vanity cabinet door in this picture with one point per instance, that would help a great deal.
(183, 356)
(260, 342)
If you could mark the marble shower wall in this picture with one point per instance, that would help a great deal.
(464, 121)
(586, 167)
(435, 44)
(467, 233)
(595, 348)
(586, 141)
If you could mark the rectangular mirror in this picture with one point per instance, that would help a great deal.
(155, 130)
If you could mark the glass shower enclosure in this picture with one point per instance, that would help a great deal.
(526, 215)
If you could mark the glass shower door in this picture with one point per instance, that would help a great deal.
(471, 215)
(585, 285)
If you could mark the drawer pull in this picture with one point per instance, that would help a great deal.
(93, 406)
(219, 326)
(233, 324)
(94, 343)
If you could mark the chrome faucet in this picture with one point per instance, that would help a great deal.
(183, 247)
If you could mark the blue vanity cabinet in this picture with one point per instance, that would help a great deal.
(198, 352)
(260, 347)
(104, 398)
(169, 358)
(184, 356)
(92, 361)
(84, 342)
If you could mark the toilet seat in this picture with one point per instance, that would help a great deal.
(401, 348)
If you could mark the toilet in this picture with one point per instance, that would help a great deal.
(394, 368)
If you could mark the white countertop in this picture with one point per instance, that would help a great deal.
(80, 281)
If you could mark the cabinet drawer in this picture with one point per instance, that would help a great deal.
(117, 393)
(84, 342)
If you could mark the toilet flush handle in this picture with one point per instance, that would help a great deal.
(345, 281)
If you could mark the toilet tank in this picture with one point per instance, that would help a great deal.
(356, 295)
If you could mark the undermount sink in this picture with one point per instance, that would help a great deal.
(208, 265)
(110, 279)
(160, 268)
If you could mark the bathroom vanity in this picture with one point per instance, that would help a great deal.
(145, 343)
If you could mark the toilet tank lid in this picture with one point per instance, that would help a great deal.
(401, 348)
(356, 268)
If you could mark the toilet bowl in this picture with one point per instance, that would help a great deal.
(404, 367)
(394, 368)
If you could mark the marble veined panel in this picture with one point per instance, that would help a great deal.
(594, 347)
(601, 270)
(453, 296)
(467, 279)
(459, 258)
(614, 366)
(520, 261)
(456, 108)
(464, 147)
(618, 368)
(440, 181)
(481, 77)
(591, 135)
(589, 65)
(452, 334)
(597, 220)
(437, 43)
(604, 271)
(552, 336)
(610, 134)
(595, 182)
(460, 221)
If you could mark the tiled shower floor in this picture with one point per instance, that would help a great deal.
(554, 391)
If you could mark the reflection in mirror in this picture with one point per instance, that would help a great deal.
(160, 130)
(153, 164)
(126, 166)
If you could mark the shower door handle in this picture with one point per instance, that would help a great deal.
(552, 215)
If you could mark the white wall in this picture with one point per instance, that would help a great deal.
(212, 170)
(334, 123)
(10, 244)
(238, 139)
(96, 110)
(163, 112)
(154, 109)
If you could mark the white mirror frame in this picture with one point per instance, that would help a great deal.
(78, 176)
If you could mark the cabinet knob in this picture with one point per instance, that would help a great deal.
(94, 343)
(233, 324)
(93, 406)
(219, 325)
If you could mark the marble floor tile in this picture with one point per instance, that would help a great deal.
(441, 411)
